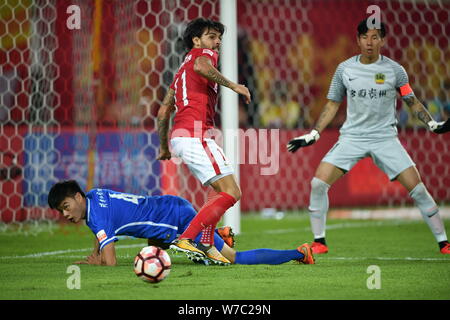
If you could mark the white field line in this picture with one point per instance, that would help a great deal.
(63, 252)
(173, 255)
(329, 227)
(344, 225)
(321, 257)
(383, 258)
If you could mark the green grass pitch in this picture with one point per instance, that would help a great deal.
(410, 265)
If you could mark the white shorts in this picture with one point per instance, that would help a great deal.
(387, 154)
(204, 158)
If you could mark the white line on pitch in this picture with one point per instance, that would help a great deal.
(329, 227)
(344, 225)
(61, 252)
(384, 258)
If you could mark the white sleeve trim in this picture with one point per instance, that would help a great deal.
(106, 241)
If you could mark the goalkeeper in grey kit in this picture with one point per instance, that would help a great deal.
(371, 82)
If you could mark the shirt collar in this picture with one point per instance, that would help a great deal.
(375, 62)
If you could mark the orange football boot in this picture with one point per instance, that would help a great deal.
(226, 233)
(446, 249)
(308, 256)
(319, 248)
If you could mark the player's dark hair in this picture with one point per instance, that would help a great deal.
(196, 27)
(362, 28)
(62, 190)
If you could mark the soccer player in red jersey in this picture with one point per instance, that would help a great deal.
(193, 96)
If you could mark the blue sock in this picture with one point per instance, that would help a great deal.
(266, 256)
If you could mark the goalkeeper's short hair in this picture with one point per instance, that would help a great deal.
(363, 28)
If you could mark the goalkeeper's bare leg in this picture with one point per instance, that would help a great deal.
(410, 179)
(326, 175)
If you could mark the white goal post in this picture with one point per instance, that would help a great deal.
(229, 100)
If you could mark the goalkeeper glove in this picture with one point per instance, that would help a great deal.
(303, 141)
(439, 127)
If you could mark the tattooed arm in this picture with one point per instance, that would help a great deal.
(418, 109)
(204, 67)
(422, 113)
(327, 115)
(166, 109)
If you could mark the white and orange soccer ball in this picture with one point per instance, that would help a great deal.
(152, 264)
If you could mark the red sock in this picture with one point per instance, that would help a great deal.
(209, 215)
(207, 237)
(211, 194)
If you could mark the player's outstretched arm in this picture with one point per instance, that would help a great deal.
(423, 115)
(327, 115)
(204, 67)
(108, 255)
(164, 112)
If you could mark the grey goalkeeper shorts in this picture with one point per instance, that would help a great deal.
(388, 154)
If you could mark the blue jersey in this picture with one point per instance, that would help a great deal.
(111, 213)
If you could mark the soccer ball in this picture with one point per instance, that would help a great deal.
(152, 264)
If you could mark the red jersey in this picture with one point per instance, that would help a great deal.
(195, 96)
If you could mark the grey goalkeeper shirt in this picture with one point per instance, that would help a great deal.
(371, 91)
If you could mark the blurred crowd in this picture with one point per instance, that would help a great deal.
(283, 111)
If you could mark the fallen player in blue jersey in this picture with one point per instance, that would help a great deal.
(160, 219)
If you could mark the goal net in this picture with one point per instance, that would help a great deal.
(80, 103)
